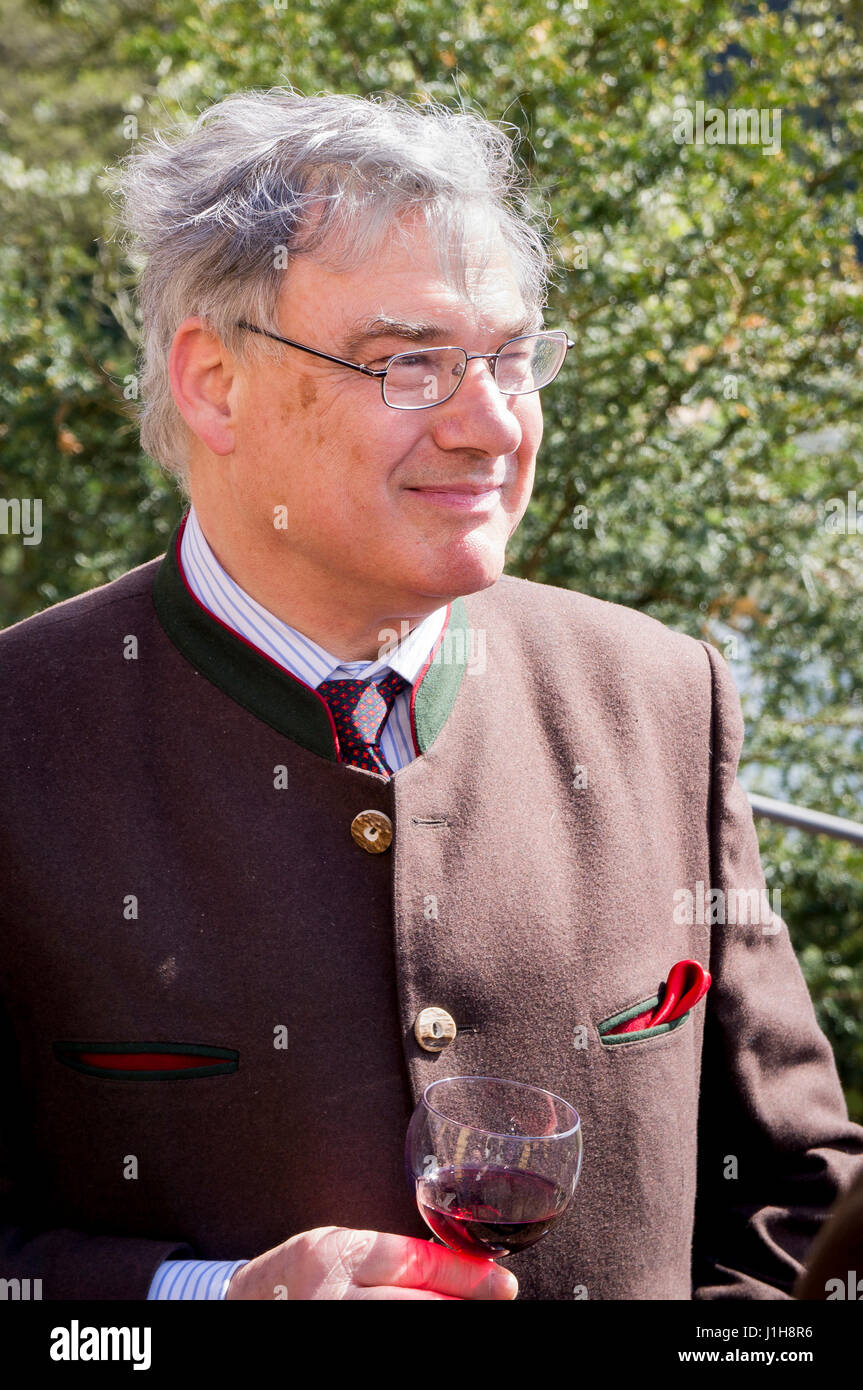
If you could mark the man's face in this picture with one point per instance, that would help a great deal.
(354, 473)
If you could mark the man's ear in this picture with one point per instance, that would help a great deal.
(201, 371)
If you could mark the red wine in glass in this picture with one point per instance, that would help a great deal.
(489, 1211)
(493, 1163)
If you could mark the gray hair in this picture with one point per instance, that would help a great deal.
(214, 214)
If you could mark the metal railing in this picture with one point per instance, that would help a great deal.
(815, 822)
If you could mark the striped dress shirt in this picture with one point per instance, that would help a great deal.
(222, 596)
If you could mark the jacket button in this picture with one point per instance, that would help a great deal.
(434, 1029)
(372, 831)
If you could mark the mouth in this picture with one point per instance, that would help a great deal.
(465, 497)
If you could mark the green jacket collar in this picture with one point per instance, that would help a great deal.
(276, 696)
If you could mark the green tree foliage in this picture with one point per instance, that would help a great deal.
(700, 446)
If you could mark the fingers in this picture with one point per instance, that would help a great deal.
(409, 1263)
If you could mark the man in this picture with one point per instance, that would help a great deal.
(319, 807)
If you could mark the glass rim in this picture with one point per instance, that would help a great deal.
(522, 1085)
(466, 357)
(420, 349)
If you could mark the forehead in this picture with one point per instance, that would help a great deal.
(404, 281)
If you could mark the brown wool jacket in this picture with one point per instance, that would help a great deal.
(834, 1265)
(181, 885)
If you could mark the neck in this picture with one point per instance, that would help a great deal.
(317, 605)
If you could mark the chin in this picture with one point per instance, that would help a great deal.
(466, 575)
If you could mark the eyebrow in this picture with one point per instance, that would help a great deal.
(370, 330)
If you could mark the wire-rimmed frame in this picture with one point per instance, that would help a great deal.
(381, 372)
(423, 376)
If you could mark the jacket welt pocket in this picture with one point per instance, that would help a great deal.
(158, 1061)
(611, 1039)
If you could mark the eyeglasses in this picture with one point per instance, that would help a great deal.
(429, 376)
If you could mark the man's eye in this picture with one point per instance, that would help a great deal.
(385, 361)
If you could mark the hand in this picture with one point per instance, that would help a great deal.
(333, 1262)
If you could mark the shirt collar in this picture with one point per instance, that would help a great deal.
(311, 663)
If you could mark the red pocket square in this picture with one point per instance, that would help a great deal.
(687, 983)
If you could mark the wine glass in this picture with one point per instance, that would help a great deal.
(493, 1163)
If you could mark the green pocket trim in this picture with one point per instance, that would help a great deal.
(215, 1061)
(614, 1038)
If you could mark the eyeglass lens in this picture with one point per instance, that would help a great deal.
(432, 375)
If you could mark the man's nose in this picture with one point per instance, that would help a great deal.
(478, 414)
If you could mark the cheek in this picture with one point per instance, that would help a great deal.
(530, 419)
(377, 451)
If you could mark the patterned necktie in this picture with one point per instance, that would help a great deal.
(360, 710)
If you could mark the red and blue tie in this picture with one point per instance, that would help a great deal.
(360, 710)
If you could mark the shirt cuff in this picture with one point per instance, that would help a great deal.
(193, 1279)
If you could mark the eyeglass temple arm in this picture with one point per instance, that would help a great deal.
(327, 356)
